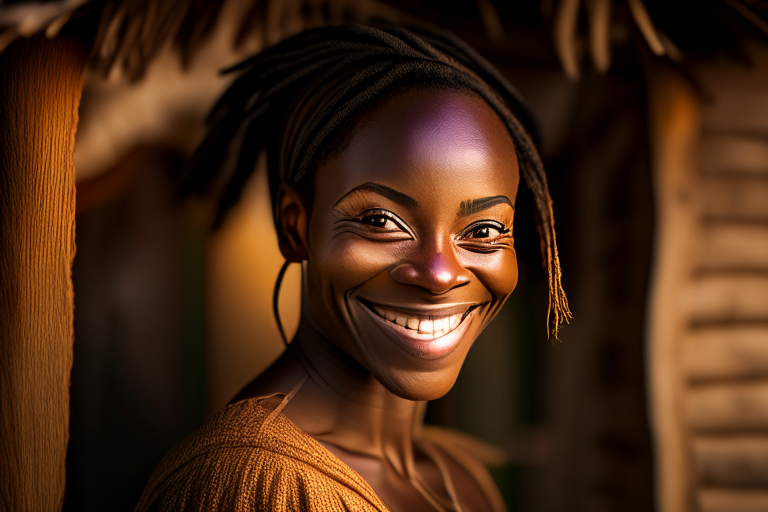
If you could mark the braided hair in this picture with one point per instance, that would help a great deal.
(294, 99)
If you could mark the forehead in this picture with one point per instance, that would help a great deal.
(427, 141)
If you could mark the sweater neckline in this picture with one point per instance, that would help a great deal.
(275, 417)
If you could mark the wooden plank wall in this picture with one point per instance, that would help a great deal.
(716, 387)
(725, 349)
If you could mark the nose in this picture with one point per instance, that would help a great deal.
(437, 270)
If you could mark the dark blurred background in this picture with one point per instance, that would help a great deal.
(171, 320)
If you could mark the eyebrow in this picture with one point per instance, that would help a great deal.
(476, 205)
(385, 191)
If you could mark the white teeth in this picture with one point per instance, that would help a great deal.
(435, 326)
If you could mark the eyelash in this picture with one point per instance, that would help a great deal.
(469, 242)
(378, 212)
(485, 241)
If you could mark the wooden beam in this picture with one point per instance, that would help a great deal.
(40, 87)
(674, 123)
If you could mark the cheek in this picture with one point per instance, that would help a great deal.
(347, 261)
(496, 271)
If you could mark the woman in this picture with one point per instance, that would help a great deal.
(394, 160)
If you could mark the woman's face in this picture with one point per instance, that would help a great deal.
(410, 241)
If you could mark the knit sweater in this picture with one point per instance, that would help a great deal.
(250, 457)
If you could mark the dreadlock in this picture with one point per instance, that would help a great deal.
(293, 99)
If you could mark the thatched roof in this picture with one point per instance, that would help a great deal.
(130, 33)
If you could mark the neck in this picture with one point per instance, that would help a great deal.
(343, 405)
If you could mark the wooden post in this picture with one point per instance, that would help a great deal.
(674, 122)
(40, 86)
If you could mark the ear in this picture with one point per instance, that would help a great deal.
(292, 223)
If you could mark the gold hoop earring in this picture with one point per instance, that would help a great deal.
(275, 299)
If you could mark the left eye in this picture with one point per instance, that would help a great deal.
(483, 231)
(378, 221)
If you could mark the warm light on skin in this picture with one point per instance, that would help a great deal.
(411, 224)
(443, 150)
(424, 140)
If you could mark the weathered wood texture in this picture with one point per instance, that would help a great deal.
(728, 407)
(725, 353)
(40, 85)
(712, 409)
(675, 127)
(726, 345)
(737, 461)
(730, 500)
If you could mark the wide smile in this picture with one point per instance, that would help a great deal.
(426, 332)
(433, 324)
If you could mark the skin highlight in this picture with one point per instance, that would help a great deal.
(410, 224)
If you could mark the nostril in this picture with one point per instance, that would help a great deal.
(405, 274)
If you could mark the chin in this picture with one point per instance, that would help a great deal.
(418, 386)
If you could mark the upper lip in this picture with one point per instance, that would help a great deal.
(426, 310)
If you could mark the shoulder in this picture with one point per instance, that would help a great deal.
(468, 459)
(247, 458)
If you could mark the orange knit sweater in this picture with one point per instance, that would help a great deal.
(250, 458)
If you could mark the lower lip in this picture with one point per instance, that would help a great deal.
(421, 345)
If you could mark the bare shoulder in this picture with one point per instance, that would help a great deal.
(280, 377)
(467, 459)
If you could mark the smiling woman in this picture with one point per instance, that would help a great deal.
(393, 172)
(418, 234)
